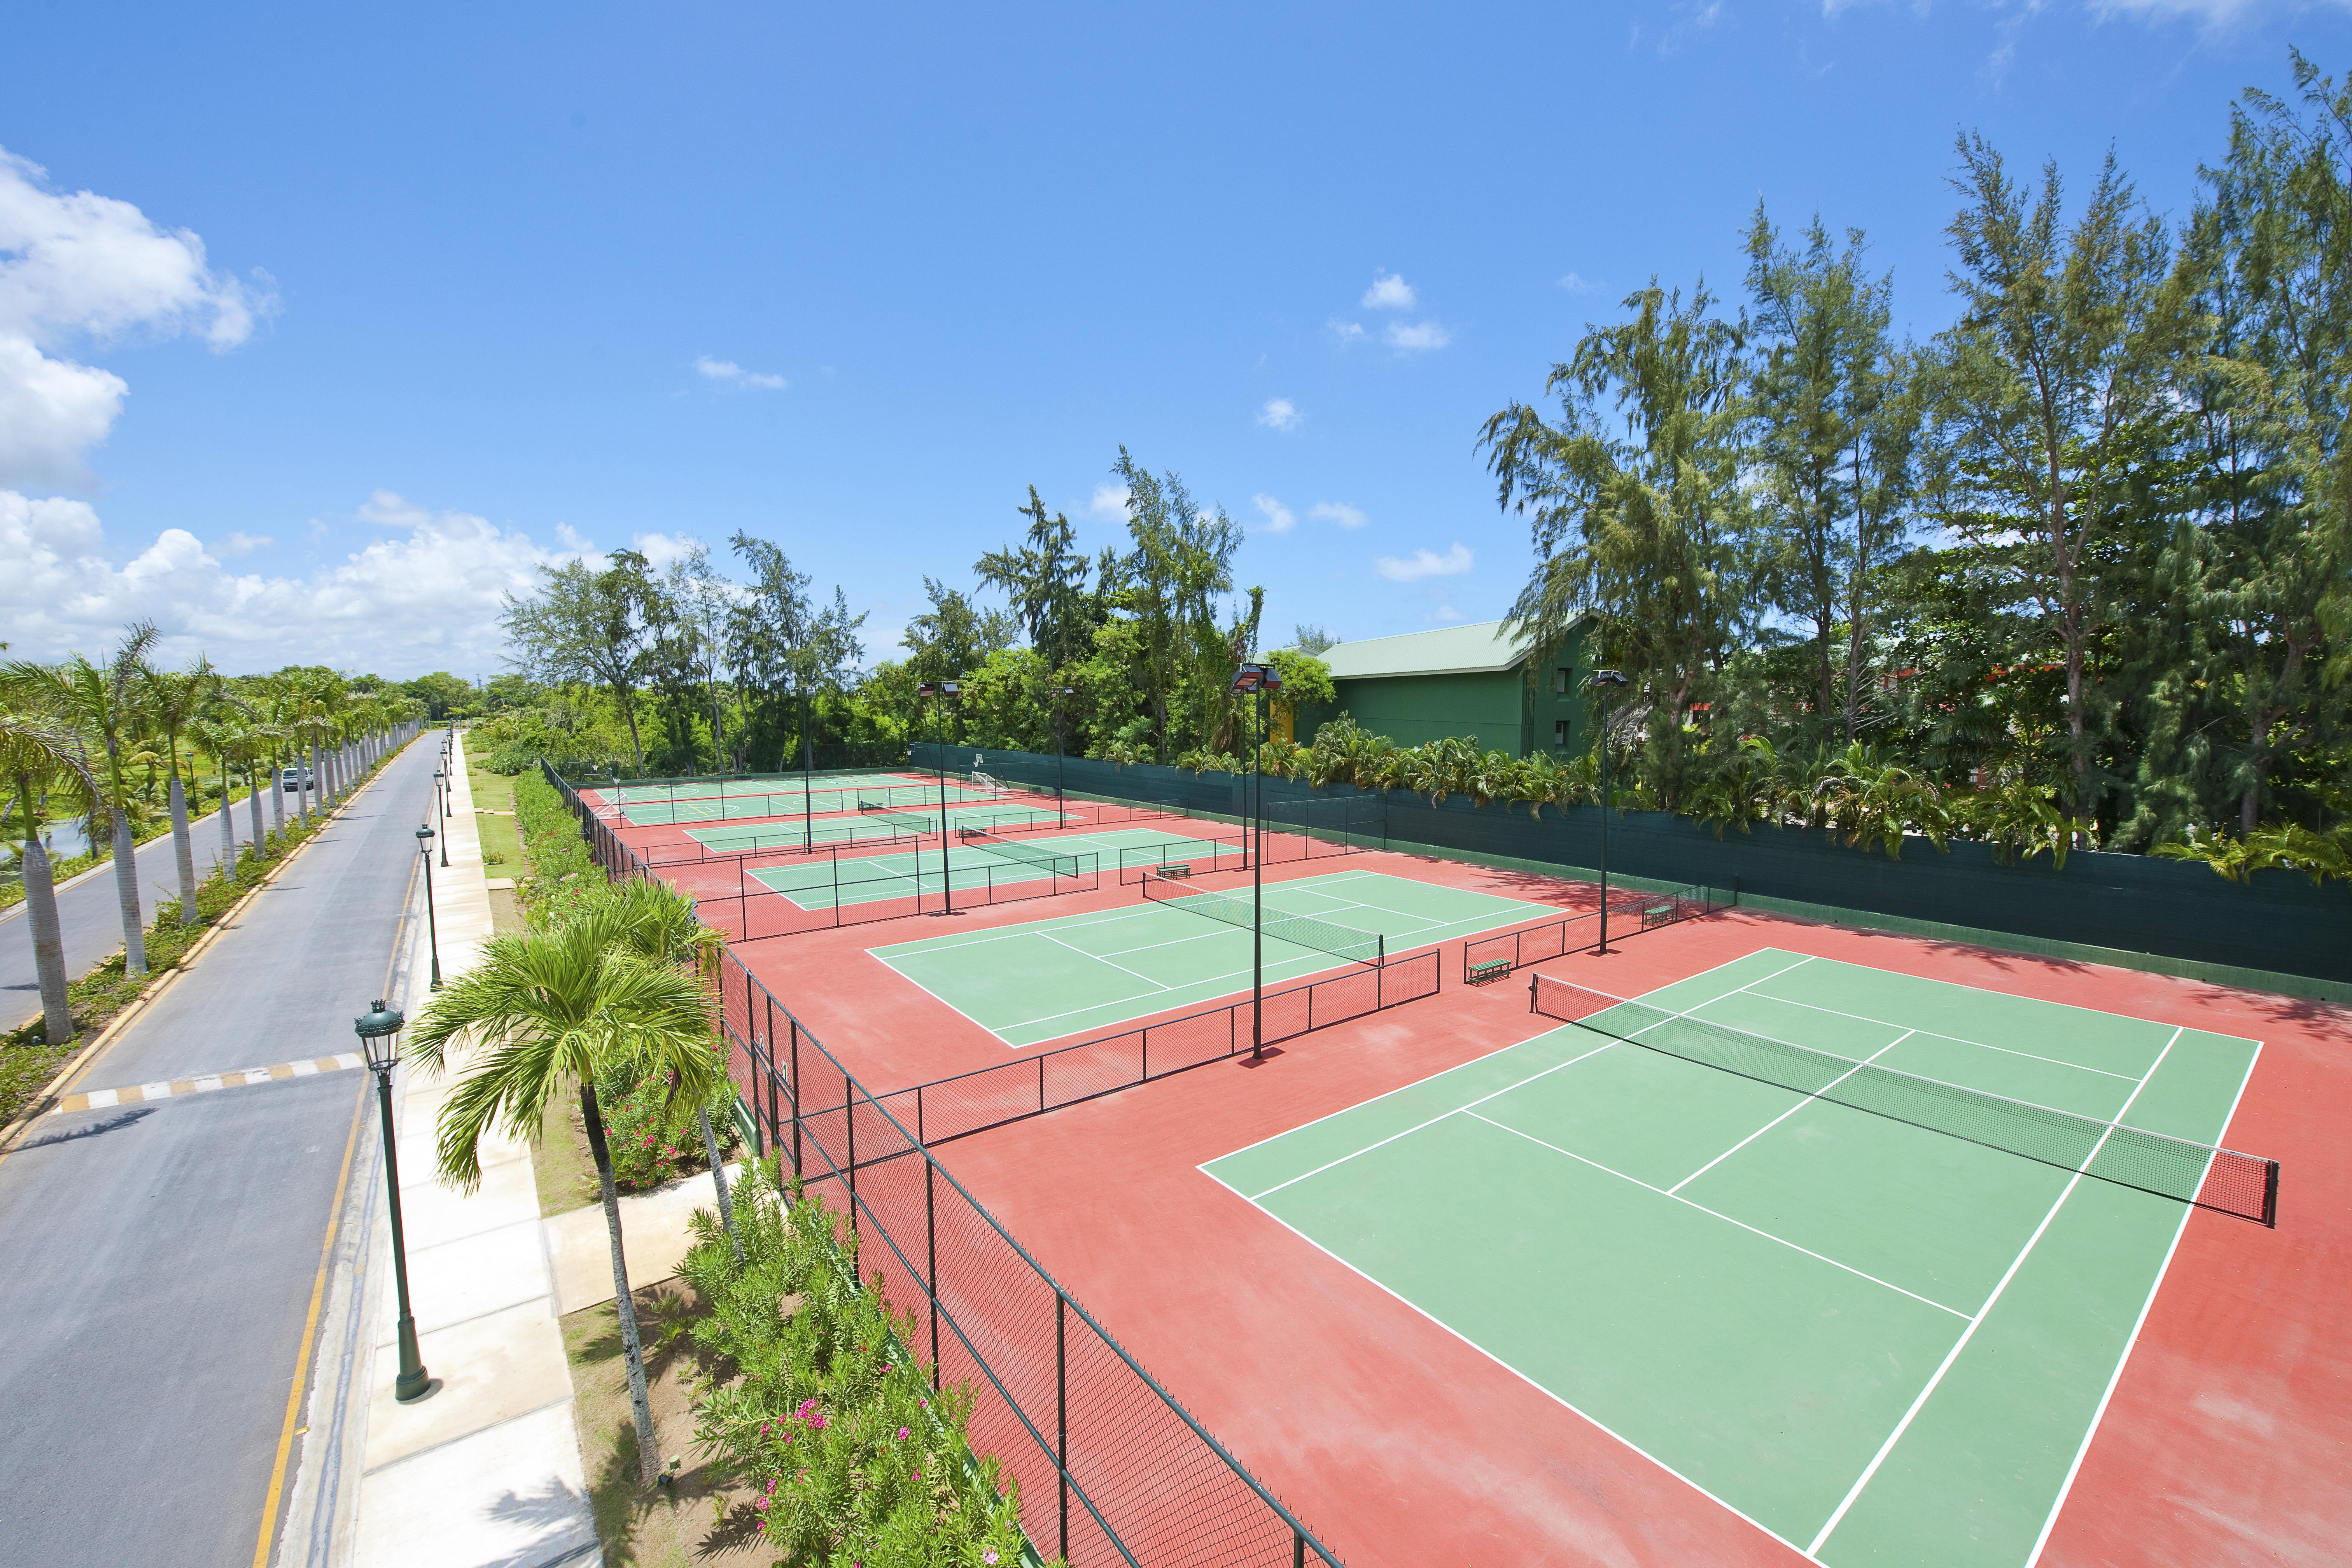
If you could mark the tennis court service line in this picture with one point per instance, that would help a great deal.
(1784, 1241)
(1953, 1355)
(1802, 1101)
(1507, 1087)
(1963, 1040)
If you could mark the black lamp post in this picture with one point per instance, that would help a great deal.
(433, 936)
(1257, 681)
(378, 1033)
(1604, 681)
(944, 693)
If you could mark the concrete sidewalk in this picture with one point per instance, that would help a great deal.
(488, 1469)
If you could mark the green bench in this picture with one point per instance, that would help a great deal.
(1482, 972)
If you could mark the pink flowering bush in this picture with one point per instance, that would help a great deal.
(654, 1139)
(851, 1455)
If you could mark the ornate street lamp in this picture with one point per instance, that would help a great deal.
(378, 1033)
(1604, 681)
(1258, 681)
(432, 935)
(944, 693)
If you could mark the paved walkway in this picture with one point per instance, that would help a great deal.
(487, 1470)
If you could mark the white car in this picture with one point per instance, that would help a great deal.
(297, 780)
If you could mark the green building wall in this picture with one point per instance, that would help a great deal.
(1494, 708)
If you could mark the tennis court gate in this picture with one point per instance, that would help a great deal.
(1112, 1470)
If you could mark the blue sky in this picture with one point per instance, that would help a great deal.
(362, 319)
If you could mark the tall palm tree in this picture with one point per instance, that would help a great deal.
(37, 752)
(175, 700)
(547, 1010)
(101, 701)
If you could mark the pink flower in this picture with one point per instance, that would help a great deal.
(989, 1556)
(902, 1434)
(761, 1503)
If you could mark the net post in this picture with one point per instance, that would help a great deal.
(1532, 978)
(2270, 1193)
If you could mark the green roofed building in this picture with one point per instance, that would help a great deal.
(1460, 681)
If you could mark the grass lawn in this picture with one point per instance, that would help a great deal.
(493, 818)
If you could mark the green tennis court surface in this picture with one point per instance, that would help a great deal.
(1033, 982)
(814, 885)
(1877, 1341)
(738, 805)
(771, 784)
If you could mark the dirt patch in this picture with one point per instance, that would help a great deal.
(564, 1169)
(696, 1521)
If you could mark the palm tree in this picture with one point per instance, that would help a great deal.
(101, 701)
(548, 1010)
(39, 752)
(175, 700)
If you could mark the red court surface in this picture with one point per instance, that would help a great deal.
(2228, 1437)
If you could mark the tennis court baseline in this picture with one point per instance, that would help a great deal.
(1876, 1341)
(1029, 983)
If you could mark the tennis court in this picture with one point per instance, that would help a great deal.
(821, 885)
(868, 825)
(1880, 1334)
(1029, 983)
(739, 802)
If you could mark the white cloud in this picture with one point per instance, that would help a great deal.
(81, 269)
(427, 599)
(1692, 20)
(1424, 563)
(241, 544)
(1337, 511)
(1280, 414)
(1279, 517)
(1446, 614)
(1388, 292)
(1573, 284)
(1346, 331)
(1109, 502)
(727, 373)
(1417, 339)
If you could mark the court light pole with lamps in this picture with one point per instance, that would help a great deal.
(378, 1033)
(1061, 806)
(1258, 681)
(941, 694)
(431, 934)
(1604, 681)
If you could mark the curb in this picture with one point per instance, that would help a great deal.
(137, 1006)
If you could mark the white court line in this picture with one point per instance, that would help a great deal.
(1802, 1101)
(1959, 1039)
(1726, 1220)
(2131, 1343)
(1506, 1088)
(1854, 1493)
(1098, 958)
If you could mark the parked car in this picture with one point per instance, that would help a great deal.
(297, 780)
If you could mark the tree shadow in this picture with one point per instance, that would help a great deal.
(90, 1130)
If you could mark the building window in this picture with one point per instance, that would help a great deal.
(1560, 681)
(1559, 732)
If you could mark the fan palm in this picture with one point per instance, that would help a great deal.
(38, 754)
(101, 701)
(547, 1011)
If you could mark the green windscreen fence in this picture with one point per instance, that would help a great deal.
(2277, 922)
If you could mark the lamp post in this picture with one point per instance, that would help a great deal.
(1604, 681)
(432, 935)
(1257, 681)
(944, 693)
(378, 1033)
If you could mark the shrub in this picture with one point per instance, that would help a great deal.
(653, 1138)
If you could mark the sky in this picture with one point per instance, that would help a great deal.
(321, 330)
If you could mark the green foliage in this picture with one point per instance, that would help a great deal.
(850, 1455)
(653, 1135)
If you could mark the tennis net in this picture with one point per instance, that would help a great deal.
(2242, 1185)
(1027, 854)
(1340, 942)
(902, 821)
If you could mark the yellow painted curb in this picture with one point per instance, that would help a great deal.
(137, 1006)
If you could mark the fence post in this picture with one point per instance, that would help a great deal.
(1041, 1083)
(792, 1088)
(931, 1256)
(1062, 1413)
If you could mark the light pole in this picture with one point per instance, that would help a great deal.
(1061, 806)
(1257, 681)
(1604, 681)
(431, 934)
(944, 693)
(378, 1033)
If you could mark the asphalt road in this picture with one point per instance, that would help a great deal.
(161, 1257)
(91, 919)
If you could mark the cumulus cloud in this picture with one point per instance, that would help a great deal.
(1423, 563)
(1280, 414)
(727, 373)
(80, 269)
(1388, 292)
(1109, 502)
(1337, 511)
(1346, 331)
(1279, 517)
(1417, 339)
(427, 596)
